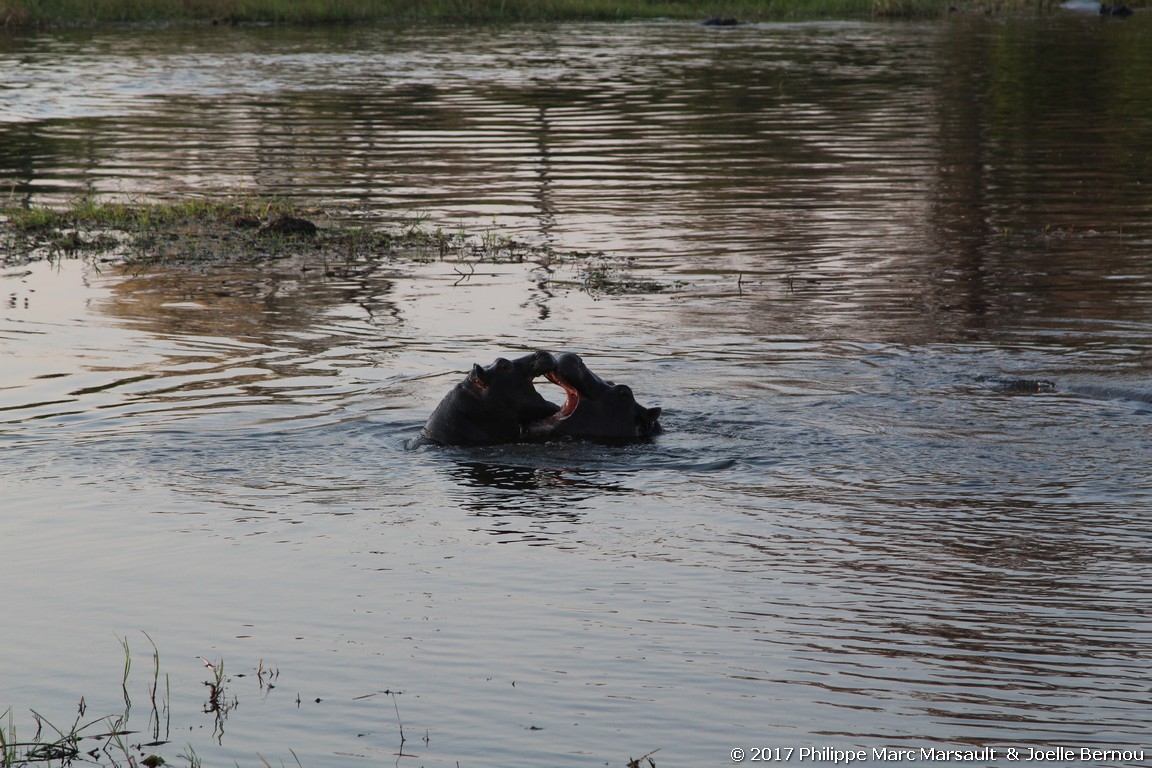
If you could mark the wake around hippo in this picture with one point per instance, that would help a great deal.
(498, 404)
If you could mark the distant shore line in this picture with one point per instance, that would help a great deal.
(16, 14)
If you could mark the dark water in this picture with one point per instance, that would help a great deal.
(850, 535)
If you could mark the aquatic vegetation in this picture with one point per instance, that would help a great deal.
(91, 211)
(144, 232)
(112, 739)
(232, 228)
(104, 738)
(245, 229)
(605, 275)
(646, 759)
(109, 740)
(218, 704)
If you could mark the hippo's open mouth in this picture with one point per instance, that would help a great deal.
(594, 409)
(572, 396)
(571, 401)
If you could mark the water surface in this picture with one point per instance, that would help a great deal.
(848, 537)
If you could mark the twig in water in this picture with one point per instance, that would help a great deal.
(464, 276)
(400, 753)
(396, 705)
(636, 763)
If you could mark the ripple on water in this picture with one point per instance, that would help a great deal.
(860, 536)
(844, 537)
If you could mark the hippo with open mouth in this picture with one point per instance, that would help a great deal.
(595, 409)
(492, 404)
(498, 404)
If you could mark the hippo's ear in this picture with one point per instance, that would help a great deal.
(649, 417)
(478, 375)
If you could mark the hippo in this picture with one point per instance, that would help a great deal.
(594, 409)
(498, 404)
(493, 404)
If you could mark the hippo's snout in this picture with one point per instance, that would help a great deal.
(543, 363)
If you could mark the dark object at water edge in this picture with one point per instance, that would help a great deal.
(1118, 9)
(288, 225)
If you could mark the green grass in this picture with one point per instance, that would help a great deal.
(87, 741)
(19, 13)
(184, 231)
(90, 211)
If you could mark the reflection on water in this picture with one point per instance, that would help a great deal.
(533, 505)
(940, 179)
(847, 537)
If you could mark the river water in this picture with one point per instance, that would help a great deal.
(849, 536)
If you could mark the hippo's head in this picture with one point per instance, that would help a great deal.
(594, 409)
(506, 385)
(493, 403)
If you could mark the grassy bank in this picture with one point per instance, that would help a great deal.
(24, 13)
(234, 229)
(240, 229)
